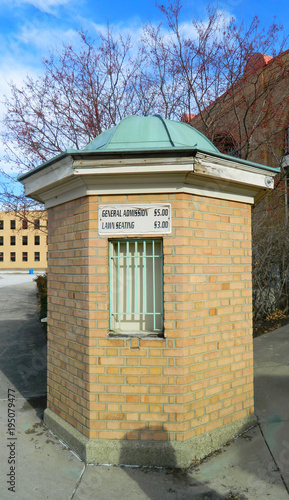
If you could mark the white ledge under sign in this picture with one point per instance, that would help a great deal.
(135, 219)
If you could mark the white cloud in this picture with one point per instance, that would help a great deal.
(16, 65)
(47, 6)
(43, 4)
(44, 39)
(10, 71)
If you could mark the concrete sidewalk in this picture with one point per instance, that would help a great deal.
(254, 466)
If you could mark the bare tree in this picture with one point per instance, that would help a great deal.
(172, 69)
(81, 93)
(270, 254)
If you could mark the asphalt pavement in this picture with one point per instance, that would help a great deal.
(253, 466)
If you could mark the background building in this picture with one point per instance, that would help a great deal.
(23, 240)
(251, 121)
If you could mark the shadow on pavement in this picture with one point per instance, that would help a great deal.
(169, 483)
(22, 344)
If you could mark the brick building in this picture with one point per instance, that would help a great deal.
(251, 120)
(150, 358)
(23, 240)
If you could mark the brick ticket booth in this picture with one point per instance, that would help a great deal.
(150, 357)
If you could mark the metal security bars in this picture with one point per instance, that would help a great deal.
(136, 285)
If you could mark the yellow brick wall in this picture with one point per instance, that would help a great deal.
(196, 379)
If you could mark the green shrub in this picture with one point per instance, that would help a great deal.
(41, 283)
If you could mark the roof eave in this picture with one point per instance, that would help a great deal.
(180, 151)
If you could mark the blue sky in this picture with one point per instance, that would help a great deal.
(30, 28)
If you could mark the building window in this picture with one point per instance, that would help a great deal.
(136, 286)
(1, 256)
(1, 224)
(37, 224)
(226, 144)
(1, 240)
(12, 256)
(24, 224)
(12, 240)
(12, 224)
(24, 256)
(36, 240)
(24, 240)
(36, 256)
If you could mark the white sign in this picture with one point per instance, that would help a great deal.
(134, 219)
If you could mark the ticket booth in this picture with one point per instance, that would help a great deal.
(150, 349)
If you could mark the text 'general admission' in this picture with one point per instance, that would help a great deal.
(134, 219)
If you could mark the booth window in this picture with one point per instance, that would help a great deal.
(136, 286)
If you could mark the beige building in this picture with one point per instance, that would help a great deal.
(23, 240)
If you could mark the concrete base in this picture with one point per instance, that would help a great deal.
(145, 453)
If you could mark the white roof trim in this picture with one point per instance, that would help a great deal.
(68, 179)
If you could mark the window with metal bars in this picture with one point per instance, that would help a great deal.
(136, 286)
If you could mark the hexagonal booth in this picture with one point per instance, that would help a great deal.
(150, 357)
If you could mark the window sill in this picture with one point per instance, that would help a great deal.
(138, 335)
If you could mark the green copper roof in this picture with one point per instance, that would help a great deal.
(146, 133)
